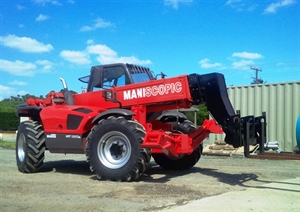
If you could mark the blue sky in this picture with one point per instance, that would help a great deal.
(42, 40)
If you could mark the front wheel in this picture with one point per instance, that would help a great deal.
(184, 161)
(113, 149)
(30, 147)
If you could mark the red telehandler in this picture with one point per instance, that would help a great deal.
(125, 116)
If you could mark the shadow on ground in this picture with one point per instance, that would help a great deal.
(154, 174)
(68, 167)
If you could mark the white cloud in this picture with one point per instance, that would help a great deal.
(101, 50)
(106, 60)
(6, 92)
(205, 63)
(44, 62)
(21, 68)
(46, 65)
(281, 64)
(247, 55)
(25, 44)
(21, 25)
(175, 3)
(273, 7)
(99, 23)
(18, 67)
(242, 5)
(242, 64)
(20, 7)
(41, 17)
(44, 2)
(89, 42)
(229, 2)
(76, 57)
(106, 55)
(22, 93)
(19, 83)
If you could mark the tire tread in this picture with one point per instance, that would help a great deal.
(143, 157)
(185, 161)
(34, 146)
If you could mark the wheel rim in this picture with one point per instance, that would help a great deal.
(114, 149)
(21, 147)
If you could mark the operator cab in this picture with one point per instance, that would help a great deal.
(119, 74)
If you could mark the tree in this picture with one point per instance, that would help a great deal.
(201, 114)
(258, 81)
(62, 91)
(9, 121)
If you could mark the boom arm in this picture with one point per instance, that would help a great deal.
(210, 89)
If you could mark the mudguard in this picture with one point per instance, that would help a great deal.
(107, 113)
(170, 116)
(28, 111)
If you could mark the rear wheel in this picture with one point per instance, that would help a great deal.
(30, 147)
(113, 150)
(184, 161)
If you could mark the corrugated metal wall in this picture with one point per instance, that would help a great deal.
(281, 102)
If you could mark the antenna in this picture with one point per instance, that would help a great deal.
(256, 73)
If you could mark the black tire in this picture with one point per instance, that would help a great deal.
(30, 147)
(113, 149)
(184, 161)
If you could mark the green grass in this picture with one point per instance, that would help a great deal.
(7, 144)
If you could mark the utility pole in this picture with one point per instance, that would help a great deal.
(256, 73)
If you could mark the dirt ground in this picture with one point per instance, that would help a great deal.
(65, 183)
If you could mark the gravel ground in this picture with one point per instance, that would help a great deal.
(65, 183)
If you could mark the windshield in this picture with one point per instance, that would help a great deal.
(140, 77)
(116, 75)
(139, 73)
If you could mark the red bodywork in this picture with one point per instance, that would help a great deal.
(152, 96)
